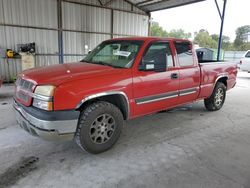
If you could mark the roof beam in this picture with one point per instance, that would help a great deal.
(133, 4)
(166, 4)
(100, 2)
(142, 2)
(109, 2)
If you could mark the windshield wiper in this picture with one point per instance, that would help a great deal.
(106, 64)
(86, 61)
(102, 63)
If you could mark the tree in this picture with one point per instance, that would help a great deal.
(241, 41)
(158, 31)
(203, 39)
(179, 33)
(240, 35)
(226, 44)
(244, 47)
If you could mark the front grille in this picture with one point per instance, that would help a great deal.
(23, 89)
(24, 84)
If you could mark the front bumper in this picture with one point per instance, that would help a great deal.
(54, 129)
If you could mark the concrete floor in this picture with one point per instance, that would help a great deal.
(185, 147)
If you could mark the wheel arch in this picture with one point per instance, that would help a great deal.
(223, 79)
(117, 98)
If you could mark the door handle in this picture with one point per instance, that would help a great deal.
(174, 76)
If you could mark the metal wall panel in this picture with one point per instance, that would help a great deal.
(130, 24)
(71, 59)
(9, 68)
(2, 37)
(46, 60)
(74, 43)
(1, 12)
(86, 18)
(120, 36)
(46, 40)
(41, 13)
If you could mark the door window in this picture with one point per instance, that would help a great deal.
(157, 48)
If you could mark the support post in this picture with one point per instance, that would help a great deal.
(60, 30)
(149, 24)
(112, 24)
(221, 28)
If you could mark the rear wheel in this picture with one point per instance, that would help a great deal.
(217, 99)
(99, 127)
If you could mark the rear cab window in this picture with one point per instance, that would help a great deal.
(184, 53)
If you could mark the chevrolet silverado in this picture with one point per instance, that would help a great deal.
(120, 79)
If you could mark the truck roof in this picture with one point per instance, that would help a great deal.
(149, 38)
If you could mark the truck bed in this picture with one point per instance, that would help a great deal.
(211, 71)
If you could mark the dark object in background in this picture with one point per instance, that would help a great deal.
(28, 48)
(200, 55)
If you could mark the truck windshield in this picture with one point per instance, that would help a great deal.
(120, 54)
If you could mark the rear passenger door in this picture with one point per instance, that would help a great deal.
(189, 72)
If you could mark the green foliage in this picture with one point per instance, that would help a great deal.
(244, 47)
(158, 31)
(240, 42)
(204, 39)
(179, 33)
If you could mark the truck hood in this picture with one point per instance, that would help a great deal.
(61, 73)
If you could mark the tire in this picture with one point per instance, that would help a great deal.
(99, 127)
(217, 99)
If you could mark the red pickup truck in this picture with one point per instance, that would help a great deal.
(120, 79)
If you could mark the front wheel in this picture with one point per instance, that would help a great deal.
(99, 127)
(217, 99)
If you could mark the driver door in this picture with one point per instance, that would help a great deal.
(155, 91)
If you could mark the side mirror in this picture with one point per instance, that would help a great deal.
(158, 63)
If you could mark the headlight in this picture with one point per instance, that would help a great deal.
(43, 97)
(45, 105)
(46, 90)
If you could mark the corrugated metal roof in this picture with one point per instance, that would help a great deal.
(139, 6)
(154, 5)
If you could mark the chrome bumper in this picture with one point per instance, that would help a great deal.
(48, 130)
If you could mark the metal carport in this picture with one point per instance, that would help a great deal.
(61, 28)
